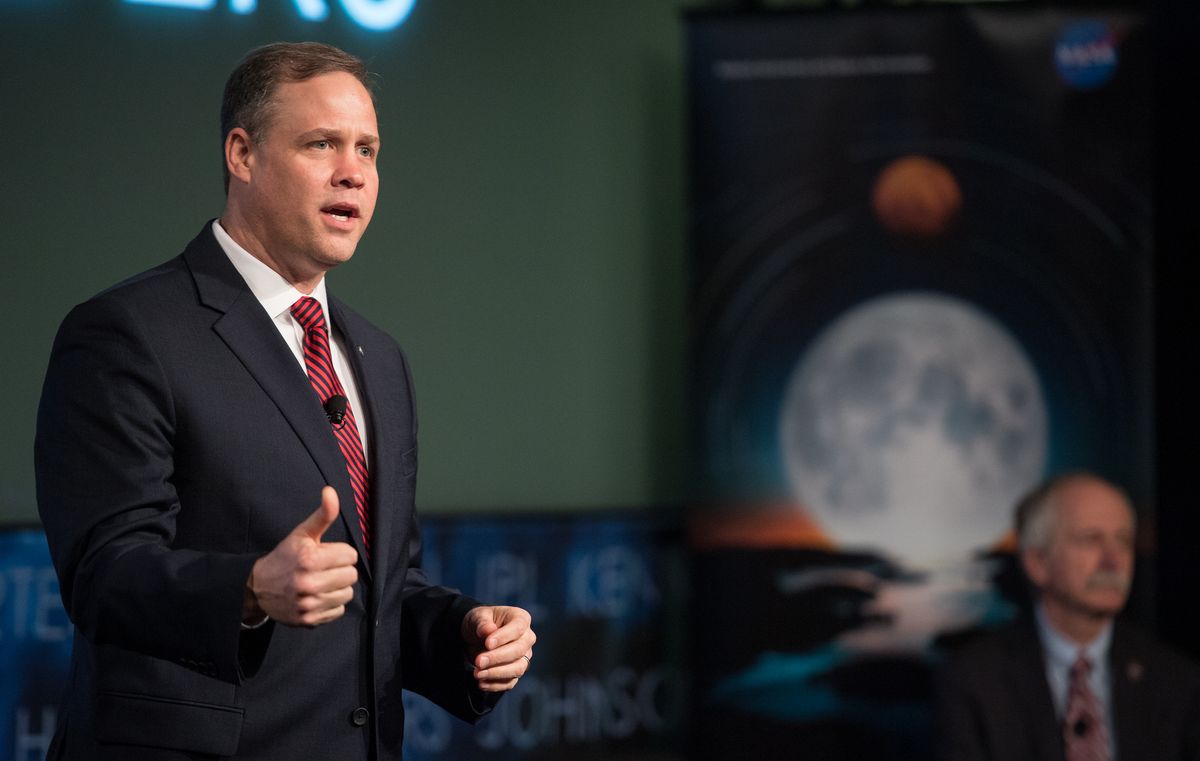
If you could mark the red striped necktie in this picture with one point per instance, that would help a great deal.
(319, 363)
(1085, 732)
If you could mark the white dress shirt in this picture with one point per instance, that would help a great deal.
(1060, 654)
(277, 296)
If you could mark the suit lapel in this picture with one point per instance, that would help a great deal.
(1031, 693)
(370, 383)
(249, 333)
(1129, 703)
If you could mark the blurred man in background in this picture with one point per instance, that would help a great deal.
(1071, 683)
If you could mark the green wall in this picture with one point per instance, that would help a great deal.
(527, 250)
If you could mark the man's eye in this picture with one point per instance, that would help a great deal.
(321, 144)
(366, 151)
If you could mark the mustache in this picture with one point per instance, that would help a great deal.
(1109, 580)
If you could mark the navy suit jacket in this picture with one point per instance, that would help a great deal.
(179, 440)
(994, 702)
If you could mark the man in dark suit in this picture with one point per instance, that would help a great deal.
(191, 419)
(1071, 682)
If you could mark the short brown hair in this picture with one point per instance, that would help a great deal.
(249, 100)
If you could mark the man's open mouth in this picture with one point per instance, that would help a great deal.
(341, 211)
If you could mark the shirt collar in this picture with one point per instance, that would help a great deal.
(274, 293)
(1062, 652)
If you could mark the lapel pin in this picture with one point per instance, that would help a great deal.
(1135, 671)
(361, 353)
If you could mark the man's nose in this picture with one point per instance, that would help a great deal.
(348, 174)
(1113, 555)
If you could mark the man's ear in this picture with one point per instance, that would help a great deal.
(239, 154)
(1033, 560)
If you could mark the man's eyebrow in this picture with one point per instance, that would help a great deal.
(325, 133)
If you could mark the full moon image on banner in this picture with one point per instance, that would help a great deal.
(912, 425)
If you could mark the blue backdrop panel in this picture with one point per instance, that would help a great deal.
(35, 646)
(605, 592)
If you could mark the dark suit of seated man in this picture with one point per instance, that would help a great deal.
(194, 416)
(1070, 682)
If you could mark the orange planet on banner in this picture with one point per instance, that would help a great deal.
(765, 526)
(916, 196)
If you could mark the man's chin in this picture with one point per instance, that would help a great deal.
(332, 257)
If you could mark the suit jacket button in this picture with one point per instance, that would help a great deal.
(359, 716)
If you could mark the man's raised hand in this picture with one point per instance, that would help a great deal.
(304, 581)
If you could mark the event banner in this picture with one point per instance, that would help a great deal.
(921, 250)
(605, 592)
(606, 595)
(35, 646)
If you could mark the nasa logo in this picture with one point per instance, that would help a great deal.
(1086, 54)
(375, 15)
